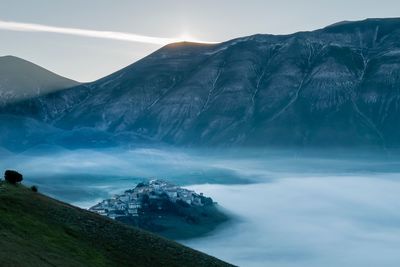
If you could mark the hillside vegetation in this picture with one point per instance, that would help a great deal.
(36, 230)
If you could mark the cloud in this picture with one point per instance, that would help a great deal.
(121, 36)
(344, 220)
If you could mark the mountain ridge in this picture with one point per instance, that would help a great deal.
(336, 86)
(21, 79)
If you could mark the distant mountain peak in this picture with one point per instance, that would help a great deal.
(336, 86)
(366, 23)
(21, 79)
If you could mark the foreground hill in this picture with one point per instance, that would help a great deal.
(39, 231)
(337, 86)
(21, 79)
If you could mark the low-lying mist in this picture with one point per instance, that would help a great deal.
(312, 221)
(290, 208)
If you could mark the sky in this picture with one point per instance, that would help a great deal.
(86, 40)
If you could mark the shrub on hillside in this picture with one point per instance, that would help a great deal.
(207, 201)
(13, 177)
(34, 188)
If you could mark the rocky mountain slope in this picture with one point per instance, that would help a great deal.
(337, 86)
(21, 79)
(39, 231)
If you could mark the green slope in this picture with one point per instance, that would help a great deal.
(36, 230)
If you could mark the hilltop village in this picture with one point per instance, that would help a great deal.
(164, 208)
(147, 195)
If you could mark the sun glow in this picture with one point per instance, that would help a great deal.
(187, 37)
(121, 36)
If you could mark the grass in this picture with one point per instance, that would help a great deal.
(36, 230)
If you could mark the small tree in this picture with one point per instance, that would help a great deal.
(13, 177)
(34, 188)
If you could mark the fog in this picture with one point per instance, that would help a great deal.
(334, 221)
(82, 177)
(288, 208)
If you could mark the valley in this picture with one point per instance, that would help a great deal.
(263, 150)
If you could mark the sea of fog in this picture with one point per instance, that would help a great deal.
(288, 208)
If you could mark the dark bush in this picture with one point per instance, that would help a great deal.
(34, 188)
(145, 199)
(207, 201)
(140, 185)
(13, 177)
(182, 203)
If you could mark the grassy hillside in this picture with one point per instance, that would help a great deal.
(36, 230)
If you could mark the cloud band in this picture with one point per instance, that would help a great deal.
(129, 37)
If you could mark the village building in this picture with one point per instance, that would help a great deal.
(130, 202)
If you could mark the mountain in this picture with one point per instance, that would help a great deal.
(17, 133)
(21, 79)
(39, 231)
(337, 86)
